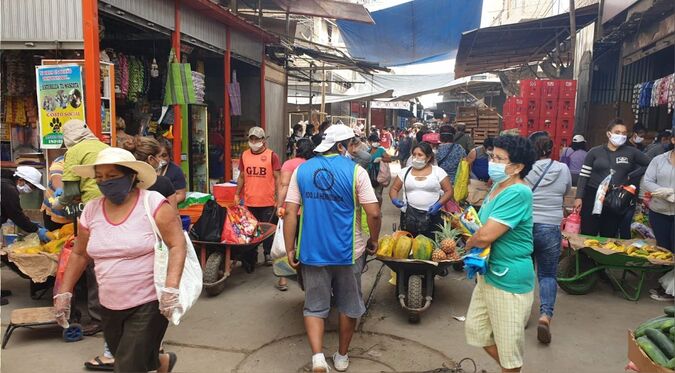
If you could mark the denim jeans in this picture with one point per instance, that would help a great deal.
(547, 242)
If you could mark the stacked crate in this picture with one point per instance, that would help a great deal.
(480, 123)
(542, 101)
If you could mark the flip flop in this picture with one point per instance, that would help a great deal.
(100, 365)
(281, 287)
(544, 333)
(172, 360)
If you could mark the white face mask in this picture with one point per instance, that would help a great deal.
(25, 188)
(160, 166)
(375, 144)
(617, 139)
(255, 146)
(418, 163)
(638, 139)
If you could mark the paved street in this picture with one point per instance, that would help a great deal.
(252, 327)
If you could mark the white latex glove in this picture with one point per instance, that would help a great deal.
(168, 301)
(664, 193)
(62, 308)
(377, 160)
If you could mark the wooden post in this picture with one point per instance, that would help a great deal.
(92, 68)
(177, 114)
(573, 29)
(228, 123)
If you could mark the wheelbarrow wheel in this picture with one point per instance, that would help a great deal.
(415, 297)
(567, 269)
(214, 270)
(73, 333)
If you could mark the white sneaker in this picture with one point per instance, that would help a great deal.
(341, 363)
(319, 364)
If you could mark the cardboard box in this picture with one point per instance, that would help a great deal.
(641, 360)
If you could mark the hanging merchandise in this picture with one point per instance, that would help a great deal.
(654, 93)
(136, 79)
(179, 87)
(18, 74)
(199, 82)
(235, 95)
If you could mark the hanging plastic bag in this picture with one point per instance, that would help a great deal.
(192, 278)
(240, 225)
(384, 174)
(476, 261)
(179, 87)
(279, 245)
(668, 282)
(600, 194)
(461, 186)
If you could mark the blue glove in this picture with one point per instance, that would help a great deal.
(474, 264)
(435, 208)
(398, 203)
(42, 233)
(58, 192)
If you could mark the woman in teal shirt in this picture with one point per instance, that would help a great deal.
(377, 154)
(502, 299)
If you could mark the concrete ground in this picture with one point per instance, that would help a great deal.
(252, 327)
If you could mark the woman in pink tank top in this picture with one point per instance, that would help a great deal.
(115, 232)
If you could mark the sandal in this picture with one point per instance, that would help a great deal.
(91, 329)
(544, 331)
(173, 358)
(281, 287)
(100, 365)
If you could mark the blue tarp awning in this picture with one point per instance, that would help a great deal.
(413, 32)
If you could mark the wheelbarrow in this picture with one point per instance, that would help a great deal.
(216, 258)
(415, 282)
(580, 267)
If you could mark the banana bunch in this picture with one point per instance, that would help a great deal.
(592, 243)
(662, 255)
(615, 246)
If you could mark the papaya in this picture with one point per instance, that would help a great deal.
(422, 247)
(385, 246)
(67, 230)
(402, 247)
(396, 235)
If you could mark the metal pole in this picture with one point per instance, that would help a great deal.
(309, 120)
(573, 29)
(323, 95)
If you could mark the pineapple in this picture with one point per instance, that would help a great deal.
(447, 239)
(438, 255)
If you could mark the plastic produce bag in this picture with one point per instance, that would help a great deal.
(190, 282)
(600, 194)
(279, 245)
(668, 282)
(476, 261)
(195, 198)
(240, 225)
(28, 242)
(461, 184)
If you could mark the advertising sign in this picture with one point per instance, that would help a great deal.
(401, 105)
(60, 98)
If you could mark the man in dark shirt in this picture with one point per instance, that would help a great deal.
(637, 140)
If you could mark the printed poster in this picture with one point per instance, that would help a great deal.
(59, 94)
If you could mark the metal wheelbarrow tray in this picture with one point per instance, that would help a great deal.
(216, 258)
(579, 269)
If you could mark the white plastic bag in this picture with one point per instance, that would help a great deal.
(192, 279)
(668, 282)
(600, 194)
(279, 245)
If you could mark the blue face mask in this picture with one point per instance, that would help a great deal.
(497, 172)
(116, 190)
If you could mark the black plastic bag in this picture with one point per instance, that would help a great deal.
(209, 227)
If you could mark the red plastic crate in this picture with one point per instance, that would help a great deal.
(508, 107)
(568, 89)
(549, 108)
(565, 127)
(533, 125)
(551, 127)
(519, 106)
(530, 88)
(566, 107)
(532, 106)
(549, 89)
(518, 122)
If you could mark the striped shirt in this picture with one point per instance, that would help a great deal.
(626, 161)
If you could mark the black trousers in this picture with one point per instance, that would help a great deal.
(265, 215)
(606, 224)
(134, 336)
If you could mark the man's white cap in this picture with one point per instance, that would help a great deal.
(333, 135)
(31, 175)
(578, 138)
(256, 132)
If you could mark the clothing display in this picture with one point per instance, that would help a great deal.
(654, 93)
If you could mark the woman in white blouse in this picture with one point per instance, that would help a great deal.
(426, 188)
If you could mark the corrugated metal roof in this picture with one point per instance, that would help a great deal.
(41, 20)
(193, 24)
(160, 12)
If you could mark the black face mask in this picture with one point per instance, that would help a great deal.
(669, 146)
(117, 190)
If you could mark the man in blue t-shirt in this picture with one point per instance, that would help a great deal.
(331, 247)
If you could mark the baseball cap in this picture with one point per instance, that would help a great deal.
(31, 175)
(333, 135)
(578, 138)
(257, 132)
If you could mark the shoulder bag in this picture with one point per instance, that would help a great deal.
(191, 280)
(617, 199)
(414, 220)
(534, 187)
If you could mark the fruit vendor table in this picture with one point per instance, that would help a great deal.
(586, 256)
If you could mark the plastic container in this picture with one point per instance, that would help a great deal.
(186, 221)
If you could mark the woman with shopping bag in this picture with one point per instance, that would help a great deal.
(304, 150)
(116, 232)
